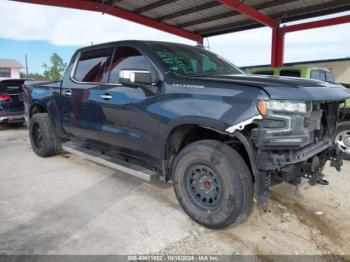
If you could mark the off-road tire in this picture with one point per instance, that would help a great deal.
(234, 174)
(50, 144)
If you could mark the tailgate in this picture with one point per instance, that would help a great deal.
(11, 95)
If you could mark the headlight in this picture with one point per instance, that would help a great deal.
(265, 106)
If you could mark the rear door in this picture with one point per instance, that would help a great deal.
(81, 116)
(130, 123)
(11, 96)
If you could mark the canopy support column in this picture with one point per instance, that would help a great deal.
(277, 47)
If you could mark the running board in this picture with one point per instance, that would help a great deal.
(126, 167)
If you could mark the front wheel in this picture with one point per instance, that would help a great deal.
(42, 138)
(213, 184)
(342, 139)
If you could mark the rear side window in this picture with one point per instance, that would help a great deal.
(330, 77)
(128, 58)
(269, 73)
(315, 74)
(93, 66)
(5, 72)
(290, 73)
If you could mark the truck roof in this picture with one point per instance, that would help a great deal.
(132, 42)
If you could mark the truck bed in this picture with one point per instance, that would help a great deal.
(45, 84)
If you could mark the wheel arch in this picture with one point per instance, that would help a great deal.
(185, 133)
(51, 109)
(36, 108)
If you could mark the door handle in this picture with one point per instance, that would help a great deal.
(106, 97)
(67, 92)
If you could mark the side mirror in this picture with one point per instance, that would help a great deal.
(135, 77)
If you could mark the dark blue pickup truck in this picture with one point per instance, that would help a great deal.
(220, 136)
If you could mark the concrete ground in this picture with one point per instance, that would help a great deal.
(64, 205)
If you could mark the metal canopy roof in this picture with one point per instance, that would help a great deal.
(195, 19)
(203, 18)
(210, 17)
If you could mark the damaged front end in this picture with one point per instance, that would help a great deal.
(294, 140)
(291, 141)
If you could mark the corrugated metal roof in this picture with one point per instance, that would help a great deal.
(209, 17)
(202, 18)
(12, 63)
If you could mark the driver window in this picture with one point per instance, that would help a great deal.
(208, 64)
(128, 58)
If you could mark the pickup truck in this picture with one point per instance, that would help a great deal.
(220, 136)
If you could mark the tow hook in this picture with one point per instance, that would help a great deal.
(323, 182)
(316, 174)
(317, 178)
(337, 164)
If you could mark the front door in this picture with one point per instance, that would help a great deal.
(81, 116)
(129, 119)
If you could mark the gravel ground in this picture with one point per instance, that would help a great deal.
(65, 205)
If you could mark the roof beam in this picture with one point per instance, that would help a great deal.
(249, 11)
(188, 11)
(153, 6)
(226, 27)
(118, 12)
(297, 14)
(327, 8)
(317, 24)
(269, 4)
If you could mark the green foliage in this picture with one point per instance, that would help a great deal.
(52, 72)
(34, 76)
(56, 69)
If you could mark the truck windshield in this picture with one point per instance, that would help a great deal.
(192, 61)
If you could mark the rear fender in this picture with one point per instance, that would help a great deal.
(49, 106)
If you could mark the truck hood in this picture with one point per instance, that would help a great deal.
(287, 88)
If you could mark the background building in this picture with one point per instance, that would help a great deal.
(9, 68)
(340, 67)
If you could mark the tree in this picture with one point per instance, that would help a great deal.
(56, 69)
(34, 76)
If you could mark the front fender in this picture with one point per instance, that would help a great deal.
(221, 104)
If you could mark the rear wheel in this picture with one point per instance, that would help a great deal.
(213, 184)
(42, 138)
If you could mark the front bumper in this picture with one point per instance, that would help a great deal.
(272, 161)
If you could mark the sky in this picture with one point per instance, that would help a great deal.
(38, 31)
